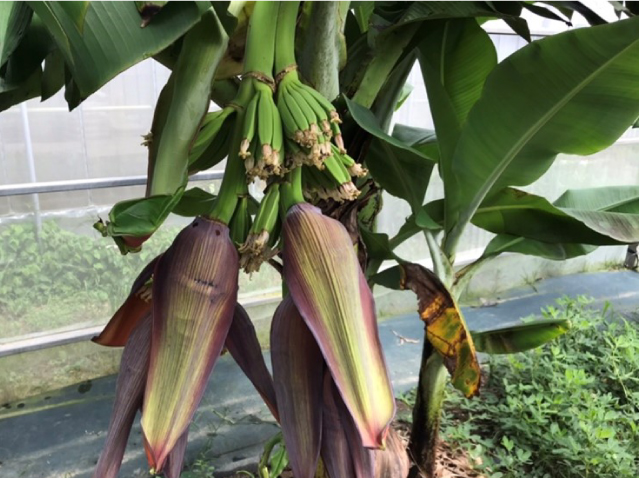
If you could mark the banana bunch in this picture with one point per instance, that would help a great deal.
(310, 123)
(213, 140)
(333, 180)
(262, 239)
(262, 138)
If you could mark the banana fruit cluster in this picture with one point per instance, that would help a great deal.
(314, 141)
(262, 135)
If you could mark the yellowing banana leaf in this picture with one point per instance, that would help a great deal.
(130, 313)
(298, 370)
(242, 343)
(521, 337)
(445, 326)
(129, 392)
(342, 452)
(194, 294)
(329, 289)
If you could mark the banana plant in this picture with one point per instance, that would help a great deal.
(499, 126)
(306, 95)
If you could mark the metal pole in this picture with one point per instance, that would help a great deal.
(32, 167)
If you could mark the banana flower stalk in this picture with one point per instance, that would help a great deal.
(173, 340)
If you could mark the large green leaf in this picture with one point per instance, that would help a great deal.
(22, 76)
(611, 198)
(574, 93)
(423, 140)
(592, 17)
(13, 94)
(403, 13)
(519, 338)
(362, 12)
(53, 76)
(612, 210)
(401, 170)
(377, 244)
(556, 252)
(14, 20)
(29, 54)
(456, 56)
(194, 202)
(518, 213)
(111, 39)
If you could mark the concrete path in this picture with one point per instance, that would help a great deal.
(60, 435)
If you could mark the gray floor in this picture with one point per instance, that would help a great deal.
(60, 434)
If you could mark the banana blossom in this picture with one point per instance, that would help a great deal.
(331, 381)
(172, 341)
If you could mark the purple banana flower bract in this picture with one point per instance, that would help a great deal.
(195, 290)
(129, 391)
(342, 452)
(328, 287)
(298, 369)
(242, 343)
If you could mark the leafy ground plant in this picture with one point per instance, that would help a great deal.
(568, 409)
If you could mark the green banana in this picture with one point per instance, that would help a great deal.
(318, 109)
(347, 161)
(256, 249)
(302, 125)
(217, 150)
(325, 103)
(248, 127)
(251, 163)
(337, 170)
(240, 222)
(277, 141)
(288, 122)
(265, 129)
(318, 185)
(265, 116)
(211, 126)
(347, 191)
(322, 118)
(268, 211)
(307, 111)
